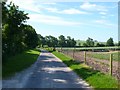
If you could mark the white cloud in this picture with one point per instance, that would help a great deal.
(52, 9)
(103, 13)
(114, 6)
(32, 5)
(27, 5)
(66, 11)
(49, 3)
(101, 21)
(103, 17)
(112, 15)
(52, 20)
(93, 7)
(105, 23)
(72, 11)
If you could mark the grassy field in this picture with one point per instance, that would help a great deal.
(83, 41)
(94, 78)
(19, 62)
(104, 56)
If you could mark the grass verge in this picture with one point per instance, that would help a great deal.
(94, 78)
(19, 62)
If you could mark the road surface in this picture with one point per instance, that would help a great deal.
(47, 72)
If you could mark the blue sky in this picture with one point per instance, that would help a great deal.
(80, 20)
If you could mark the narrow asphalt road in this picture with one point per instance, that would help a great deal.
(47, 72)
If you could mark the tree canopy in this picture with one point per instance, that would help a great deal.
(16, 35)
(110, 42)
(52, 41)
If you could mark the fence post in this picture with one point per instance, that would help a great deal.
(85, 57)
(73, 53)
(67, 52)
(111, 57)
(61, 49)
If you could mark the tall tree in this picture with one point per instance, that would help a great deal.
(51, 41)
(90, 42)
(110, 42)
(62, 41)
(31, 37)
(69, 42)
(12, 20)
(16, 36)
(42, 41)
(73, 42)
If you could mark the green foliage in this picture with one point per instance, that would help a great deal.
(94, 78)
(17, 36)
(100, 45)
(51, 41)
(110, 42)
(30, 38)
(79, 44)
(70, 42)
(90, 42)
(85, 45)
(62, 41)
(41, 40)
(96, 43)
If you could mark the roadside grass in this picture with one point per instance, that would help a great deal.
(104, 56)
(19, 62)
(95, 78)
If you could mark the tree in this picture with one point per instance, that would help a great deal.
(90, 42)
(42, 41)
(100, 45)
(51, 41)
(16, 36)
(4, 13)
(73, 42)
(68, 41)
(62, 41)
(85, 45)
(79, 44)
(12, 19)
(110, 42)
(54, 42)
(31, 38)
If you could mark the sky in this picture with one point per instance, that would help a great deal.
(80, 20)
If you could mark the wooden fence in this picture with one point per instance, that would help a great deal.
(105, 66)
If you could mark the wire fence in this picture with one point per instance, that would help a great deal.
(104, 62)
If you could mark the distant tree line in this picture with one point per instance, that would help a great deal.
(16, 35)
(61, 41)
(52, 41)
(91, 43)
